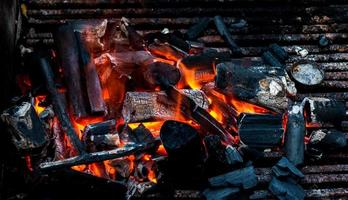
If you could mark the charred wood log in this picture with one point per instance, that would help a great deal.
(195, 30)
(140, 106)
(224, 32)
(59, 106)
(252, 85)
(25, 128)
(294, 137)
(260, 131)
(69, 57)
(94, 91)
(165, 51)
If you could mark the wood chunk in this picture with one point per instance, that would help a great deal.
(141, 106)
(244, 178)
(294, 137)
(253, 85)
(260, 130)
(26, 129)
(92, 83)
(69, 56)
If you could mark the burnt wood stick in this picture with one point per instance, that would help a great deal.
(195, 30)
(190, 109)
(59, 106)
(294, 136)
(224, 32)
(89, 158)
(69, 56)
(94, 90)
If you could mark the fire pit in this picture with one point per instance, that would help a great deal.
(183, 100)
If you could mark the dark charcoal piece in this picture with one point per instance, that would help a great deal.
(328, 139)
(327, 110)
(194, 31)
(233, 156)
(154, 70)
(68, 53)
(279, 52)
(182, 142)
(286, 169)
(270, 59)
(225, 33)
(217, 161)
(286, 189)
(221, 193)
(249, 153)
(294, 137)
(100, 128)
(142, 135)
(244, 178)
(261, 131)
(26, 129)
(94, 90)
(136, 41)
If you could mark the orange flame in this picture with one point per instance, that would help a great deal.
(195, 77)
(37, 100)
(245, 107)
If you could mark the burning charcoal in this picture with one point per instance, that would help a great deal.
(152, 71)
(327, 139)
(307, 73)
(182, 142)
(165, 51)
(100, 135)
(233, 156)
(286, 169)
(137, 188)
(244, 178)
(142, 135)
(285, 189)
(261, 130)
(135, 40)
(140, 106)
(294, 137)
(194, 31)
(324, 41)
(221, 193)
(60, 149)
(69, 57)
(249, 153)
(26, 130)
(270, 59)
(322, 110)
(225, 33)
(92, 83)
(123, 166)
(251, 85)
(279, 52)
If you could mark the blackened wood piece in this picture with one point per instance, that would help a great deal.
(249, 153)
(155, 69)
(165, 51)
(89, 158)
(59, 106)
(100, 128)
(136, 41)
(294, 137)
(94, 91)
(142, 134)
(260, 131)
(284, 168)
(221, 193)
(329, 111)
(182, 142)
(270, 59)
(233, 156)
(328, 139)
(195, 30)
(244, 178)
(278, 52)
(217, 161)
(26, 129)
(225, 33)
(69, 56)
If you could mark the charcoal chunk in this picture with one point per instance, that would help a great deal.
(278, 52)
(233, 156)
(142, 134)
(286, 189)
(244, 178)
(328, 139)
(270, 59)
(284, 168)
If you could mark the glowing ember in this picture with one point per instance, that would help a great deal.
(242, 106)
(37, 101)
